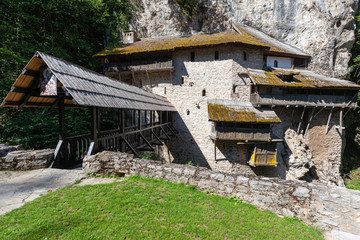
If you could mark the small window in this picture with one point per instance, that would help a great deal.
(187, 112)
(164, 90)
(192, 56)
(275, 63)
(203, 93)
(216, 55)
(182, 80)
(245, 56)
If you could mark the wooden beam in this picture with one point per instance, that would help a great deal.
(62, 128)
(302, 116)
(328, 121)
(130, 147)
(147, 142)
(26, 98)
(30, 73)
(94, 129)
(166, 135)
(122, 129)
(341, 121)
(311, 118)
(36, 104)
(157, 138)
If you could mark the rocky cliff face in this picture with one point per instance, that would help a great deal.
(322, 28)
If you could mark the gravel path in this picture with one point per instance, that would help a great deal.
(19, 187)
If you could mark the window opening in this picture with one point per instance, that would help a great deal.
(203, 92)
(192, 56)
(216, 55)
(187, 112)
(245, 56)
(275, 63)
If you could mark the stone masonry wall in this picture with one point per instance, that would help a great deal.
(327, 207)
(27, 159)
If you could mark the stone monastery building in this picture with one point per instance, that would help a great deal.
(245, 102)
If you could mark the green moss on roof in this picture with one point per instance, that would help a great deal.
(166, 44)
(273, 78)
(227, 114)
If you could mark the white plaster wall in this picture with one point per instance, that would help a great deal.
(282, 62)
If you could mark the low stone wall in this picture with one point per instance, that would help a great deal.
(5, 149)
(327, 207)
(27, 159)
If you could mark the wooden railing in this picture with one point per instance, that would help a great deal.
(72, 150)
(223, 133)
(139, 66)
(303, 100)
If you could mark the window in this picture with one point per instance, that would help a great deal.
(187, 112)
(203, 92)
(275, 63)
(192, 56)
(245, 56)
(182, 80)
(216, 55)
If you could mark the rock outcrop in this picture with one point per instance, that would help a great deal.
(323, 28)
(299, 155)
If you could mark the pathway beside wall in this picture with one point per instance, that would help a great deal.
(327, 207)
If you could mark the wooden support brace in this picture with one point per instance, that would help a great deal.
(131, 148)
(172, 132)
(302, 116)
(30, 73)
(311, 118)
(157, 138)
(328, 122)
(166, 135)
(147, 142)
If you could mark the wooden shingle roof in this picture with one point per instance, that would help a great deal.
(300, 79)
(85, 88)
(173, 43)
(222, 110)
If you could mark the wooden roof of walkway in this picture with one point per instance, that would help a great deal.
(80, 87)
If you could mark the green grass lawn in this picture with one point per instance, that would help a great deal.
(139, 208)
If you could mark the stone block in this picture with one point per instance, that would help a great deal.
(301, 192)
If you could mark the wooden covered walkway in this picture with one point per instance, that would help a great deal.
(141, 119)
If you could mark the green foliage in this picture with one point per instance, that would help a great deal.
(351, 159)
(72, 30)
(190, 163)
(189, 7)
(353, 182)
(149, 156)
(139, 208)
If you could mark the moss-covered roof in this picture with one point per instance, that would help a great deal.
(300, 79)
(236, 111)
(197, 40)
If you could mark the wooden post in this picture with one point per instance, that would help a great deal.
(62, 128)
(122, 130)
(139, 126)
(152, 123)
(94, 128)
(341, 121)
